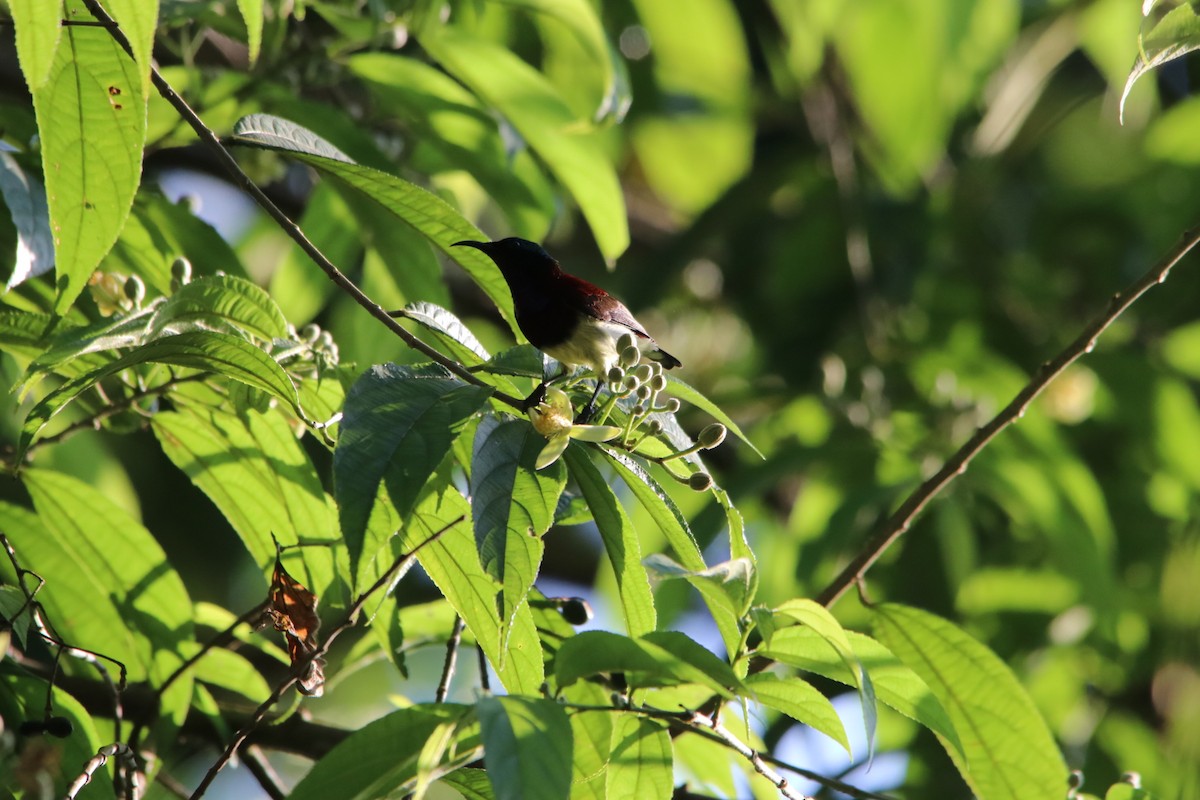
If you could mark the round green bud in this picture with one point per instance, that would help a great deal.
(658, 383)
(626, 341)
(59, 727)
(638, 410)
(615, 374)
(135, 289)
(310, 332)
(643, 392)
(711, 436)
(654, 427)
(643, 372)
(181, 270)
(700, 481)
(630, 356)
(576, 611)
(672, 405)
(631, 382)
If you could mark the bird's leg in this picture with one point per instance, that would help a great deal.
(590, 408)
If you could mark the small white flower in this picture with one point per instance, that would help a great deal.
(554, 418)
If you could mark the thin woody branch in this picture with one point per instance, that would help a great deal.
(900, 521)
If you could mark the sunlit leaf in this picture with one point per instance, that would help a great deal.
(255, 471)
(91, 114)
(452, 563)
(800, 701)
(38, 30)
(1165, 36)
(640, 759)
(533, 107)
(220, 353)
(1007, 748)
(380, 758)
(526, 747)
(620, 541)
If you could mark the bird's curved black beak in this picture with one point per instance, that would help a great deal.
(471, 243)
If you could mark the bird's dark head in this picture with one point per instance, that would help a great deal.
(516, 257)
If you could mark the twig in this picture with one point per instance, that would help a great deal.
(299, 668)
(116, 750)
(110, 409)
(899, 522)
(220, 640)
(443, 688)
(707, 726)
(46, 630)
(242, 180)
(256, 762)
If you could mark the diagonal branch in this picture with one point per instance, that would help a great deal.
(242, 180)
(900, 521)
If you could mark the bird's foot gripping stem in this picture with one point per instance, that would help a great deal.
(536, 397)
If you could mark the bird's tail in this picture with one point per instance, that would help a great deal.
(667, 360)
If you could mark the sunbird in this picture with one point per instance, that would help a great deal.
(567, 318)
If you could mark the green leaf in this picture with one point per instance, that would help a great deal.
(641, 759)
(39, 27)
(257, 473)
(425, 212)
(726, 588)
(532, 106)
(461, 133)
(654, 660)
(232, 672)
(620, 541)
(137, 19)
(397, 425)
(252, 14)
(221, 353)
(452, 563)
(379, 759)
(818, 618)
(895, 684)
(25, 197)
(70, 344)
(472, 784)
(581, 19)
(23, 333)
(527, 746)
(513, 506)
(687, 394)
(592, 731)
(1007, 748)
(800, 701)
(91, 114)
(221, 298)
(1164, 37)
(451, 332)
